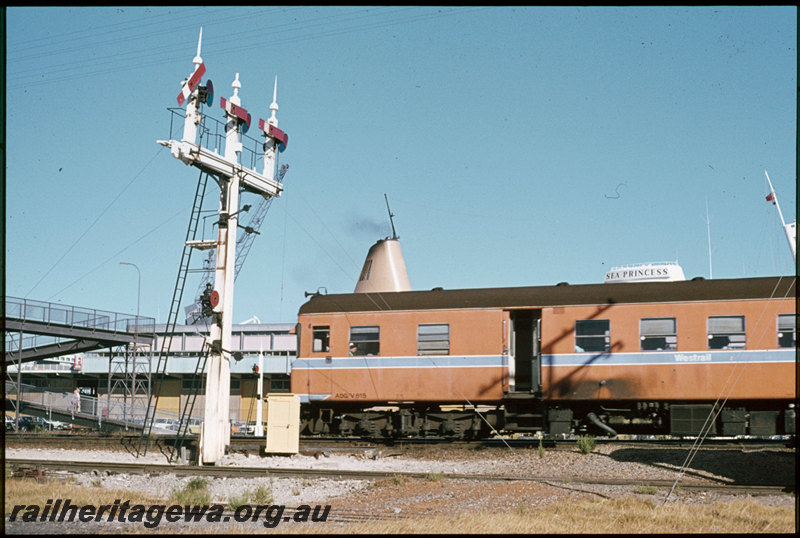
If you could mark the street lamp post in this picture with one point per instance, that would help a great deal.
(138, 291)
(136, 341)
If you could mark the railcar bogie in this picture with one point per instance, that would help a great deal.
(400, 423)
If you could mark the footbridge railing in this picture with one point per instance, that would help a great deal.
(54, 329)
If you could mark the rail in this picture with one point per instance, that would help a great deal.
(777, 487)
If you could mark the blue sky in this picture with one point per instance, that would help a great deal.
(517, 146)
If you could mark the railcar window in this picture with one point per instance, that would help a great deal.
(592, 335)
(787, 330)
(322, 338)
(658, 334)
(433, 339)
(726, 332)
(365, 340)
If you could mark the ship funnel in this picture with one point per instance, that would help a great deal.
(384, 269)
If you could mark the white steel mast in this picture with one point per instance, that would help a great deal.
(789, 229)
(232, 177)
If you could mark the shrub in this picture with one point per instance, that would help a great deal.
(522, 508)
(586, 444)
(644, 489)
(263, 495)
(196, 484)
(235, 501)
(195, 492)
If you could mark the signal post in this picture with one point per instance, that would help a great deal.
(232, 177)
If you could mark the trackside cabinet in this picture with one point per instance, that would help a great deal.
(283, 423)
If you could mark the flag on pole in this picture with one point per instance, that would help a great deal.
(771, 197)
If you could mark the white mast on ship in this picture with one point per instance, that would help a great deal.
(789, 229)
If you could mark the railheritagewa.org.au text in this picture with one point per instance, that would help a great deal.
(63, 510)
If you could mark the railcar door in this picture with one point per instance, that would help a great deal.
(525, 350)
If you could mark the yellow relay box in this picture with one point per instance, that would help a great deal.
(283, 423)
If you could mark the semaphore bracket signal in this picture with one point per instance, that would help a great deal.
(232, 178)
(193, 93)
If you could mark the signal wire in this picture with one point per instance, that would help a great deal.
(89, 41)
(115, 66)
(388, 307)
(283, 254)
(96, 220)
(712, 416)
(319, 245)
(351, 260)
(117, 253)
(474, 407)
(704, 431)
(342, 269)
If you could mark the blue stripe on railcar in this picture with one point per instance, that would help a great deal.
(428, 361)
(669, 357)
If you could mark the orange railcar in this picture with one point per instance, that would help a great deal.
(639, 357)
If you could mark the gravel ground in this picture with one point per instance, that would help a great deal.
(402, 497)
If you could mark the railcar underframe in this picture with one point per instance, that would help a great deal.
(762, 418)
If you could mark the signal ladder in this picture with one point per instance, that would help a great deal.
(243, 245)
(163, 356)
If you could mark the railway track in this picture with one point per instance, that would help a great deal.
(100, 468)
(312, 444)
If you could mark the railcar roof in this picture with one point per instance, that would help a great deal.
(559, 295)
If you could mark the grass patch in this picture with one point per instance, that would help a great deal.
(27, 492)
(627, 515)
(644, 489)
(395, 480)
(434, 477)
(586, 444)
(195, 492)
(616, 516)
(235, 501)
(263, 495)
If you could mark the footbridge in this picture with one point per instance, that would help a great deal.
(39, 330)
(42, 331)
